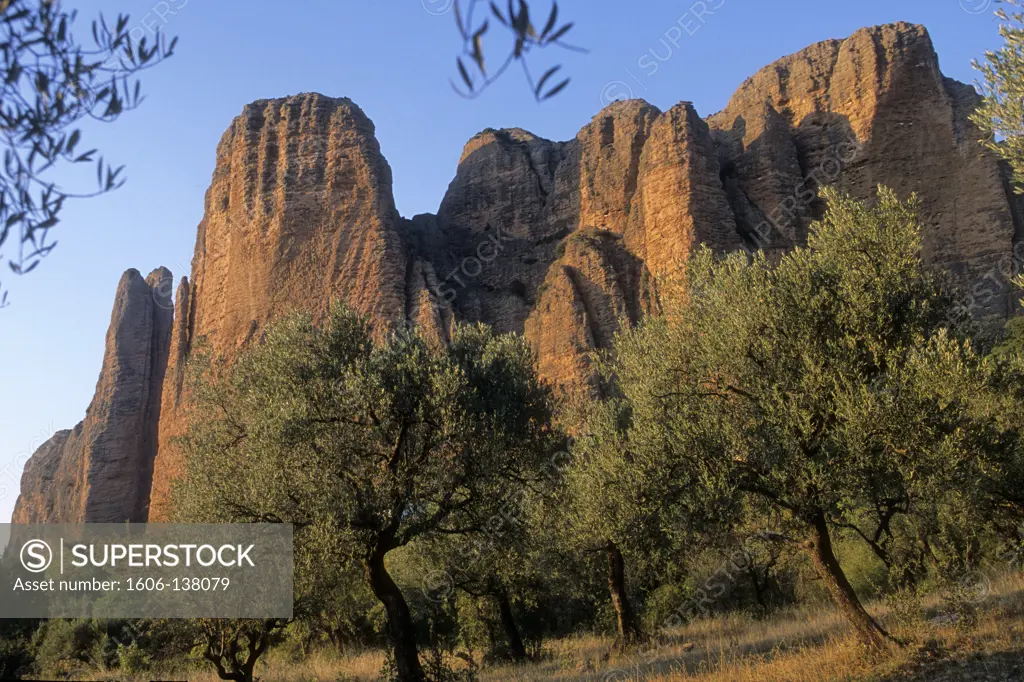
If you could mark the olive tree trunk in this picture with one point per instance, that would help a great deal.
(401, 629)
(516, 647)
(823, 556)
(628, 624)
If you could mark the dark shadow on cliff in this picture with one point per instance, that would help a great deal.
(772, 182)
(494, 270)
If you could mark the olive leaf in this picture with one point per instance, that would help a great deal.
(525, 39)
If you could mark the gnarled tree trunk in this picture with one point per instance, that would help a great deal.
(401, 629)
(508, 624)
(234, 661)
(630, 632)
(755, 581)
(827, 566)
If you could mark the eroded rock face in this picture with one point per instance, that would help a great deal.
(299, 213)
(565, 242)
(611, 147)
(872, 109)
(45, 497)
(594, 289)
(681, 202)
(100, 472)
(300, 210)
(760, 176)
(505, 247)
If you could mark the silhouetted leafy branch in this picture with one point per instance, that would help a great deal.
(517, 20)
(49, 83)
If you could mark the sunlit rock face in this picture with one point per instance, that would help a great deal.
(101, 471)
(299, 214)
(564, 242)
(868, 110)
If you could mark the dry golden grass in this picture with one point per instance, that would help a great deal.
(796, 645)
(702, 650)
(321, 667)
(799, 644)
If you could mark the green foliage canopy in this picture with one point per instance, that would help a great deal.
(814, 389)
(365, 446)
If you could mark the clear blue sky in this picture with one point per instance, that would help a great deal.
(393, 57)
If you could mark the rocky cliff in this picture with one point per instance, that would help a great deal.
(562, 241)
(299, 213)
(101, 470)
(872, 109)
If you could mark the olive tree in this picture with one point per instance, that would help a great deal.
(628, 500)
(234, 646)
(812, 388)
(496, 567)
(613, 507)
(368, 445)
